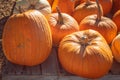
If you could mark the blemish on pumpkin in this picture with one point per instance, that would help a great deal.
(20, 45)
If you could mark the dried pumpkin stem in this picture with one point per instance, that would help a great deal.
(21, 9)
(60, 18)
(84, 40)
(99, 14)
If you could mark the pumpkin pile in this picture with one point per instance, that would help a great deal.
(85, 32)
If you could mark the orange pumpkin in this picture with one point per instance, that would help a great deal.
(86, 54)
(50, 2)
(27, 38)
(85, 9)
(102, 24)
(106, 5)
(116, 19)
(115, 47)
(116, 6)
(61, 25)
(77, 2)
(41, 5)
(66, 6)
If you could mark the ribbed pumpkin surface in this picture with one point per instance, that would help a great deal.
(27, 38)
(86, 54)
(115, 47)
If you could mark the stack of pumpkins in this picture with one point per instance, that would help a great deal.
(79, 28)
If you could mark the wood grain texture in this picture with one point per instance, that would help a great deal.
(38, 77)
(49, 70)
(50, 66)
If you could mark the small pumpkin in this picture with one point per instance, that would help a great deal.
(61, 25)
(66, 6)
(116, 19)
(84, 9)
(106, 5)
(27, 38)
(102, 24)
(116, 6)
(41, 5)
(50, 2)
(86, 54)
(115, 47)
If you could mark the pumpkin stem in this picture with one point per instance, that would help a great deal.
(21, 9)
(84, 40)
(99, 14)
(60, 18)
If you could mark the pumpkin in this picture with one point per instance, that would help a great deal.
(66, 6)
(106, 5)
(50, 2)
(102, 24)
(85, 9)
(115, 48)
(41, 5)
(116, 19)
(27, 38)
(116, 6)
(86, 54)
(77, 2)
(61, 25)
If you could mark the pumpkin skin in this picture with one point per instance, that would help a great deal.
(27, 38)
(86, 54)
(66, 6)
(103, 25)
(106, 5)
(116, 19)
(116, 6)
(115, 48)
(61, 24)
(50, 2)
(84, 9)
(41, 5)
(77, 2)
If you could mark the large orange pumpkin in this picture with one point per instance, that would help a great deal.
(66, 6)
(41, 5)
(106, 5)
(85, 9)
(115, 47)
(27, 38)
(61, 25)
(116, 19)
(116, 6)
(102, 24)
(86, 54)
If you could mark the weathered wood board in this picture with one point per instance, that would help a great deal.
(49, 70)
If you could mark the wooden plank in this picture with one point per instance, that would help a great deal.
(18, 69)
(115, 70)
(50, 66)
(27, 70)
(10, 68)
(36, 70)
(41, 77)
(4, 68)
(32, 77)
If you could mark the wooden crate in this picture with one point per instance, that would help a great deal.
(49, 70)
